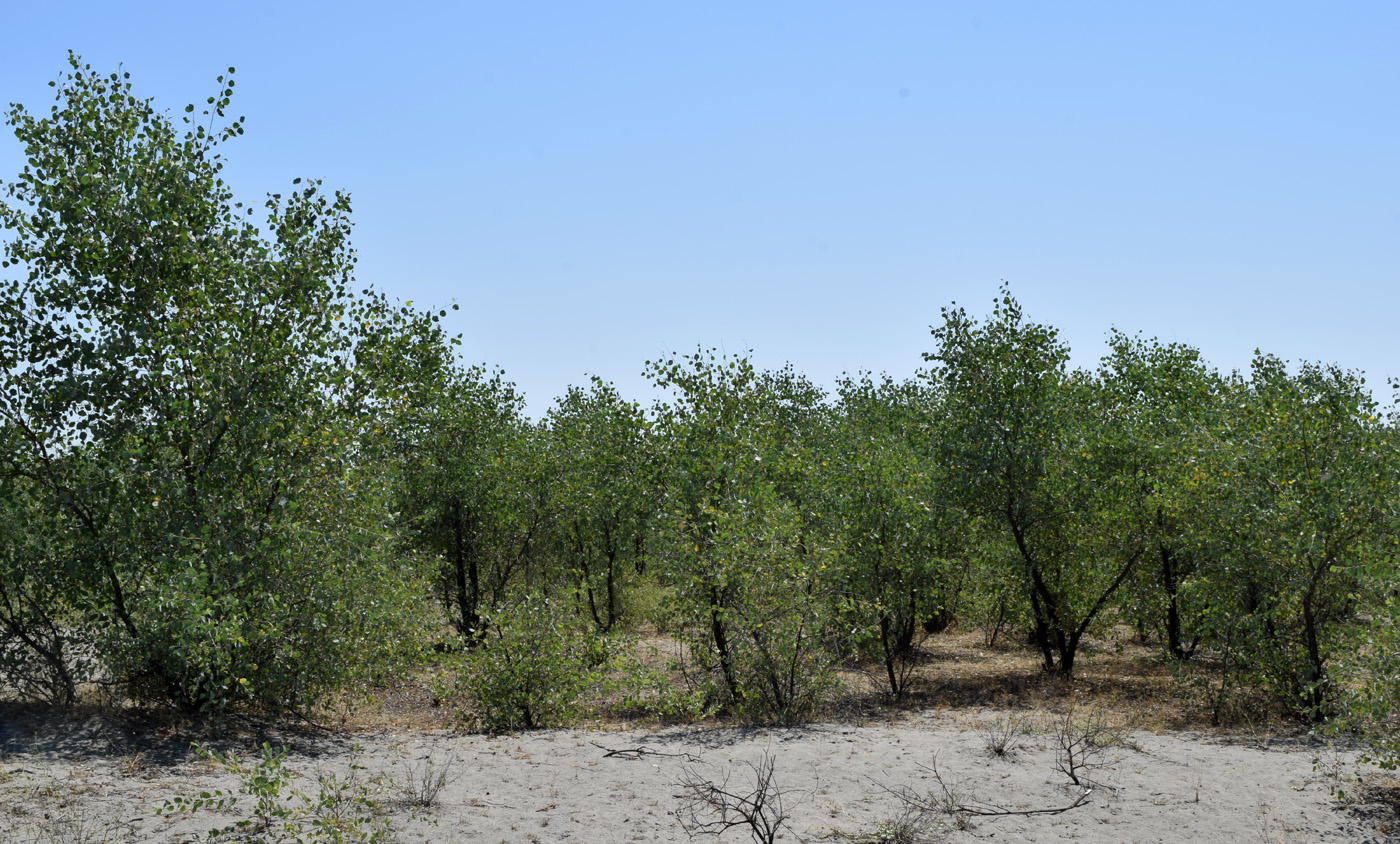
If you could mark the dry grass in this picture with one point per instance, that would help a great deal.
(409, 705)
(1130, 682)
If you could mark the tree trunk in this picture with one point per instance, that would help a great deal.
(1314, 672)
(726, 662)
(1171, 586)
(889, 652)
(1041, 632)
(467, 577)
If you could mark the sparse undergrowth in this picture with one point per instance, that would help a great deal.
(346, 808)
(644, 681)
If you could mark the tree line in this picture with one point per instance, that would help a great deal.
(231, 477)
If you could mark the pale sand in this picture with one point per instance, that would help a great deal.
(559, 785)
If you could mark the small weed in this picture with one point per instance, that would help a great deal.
(911, 825)
(69, 824)
(1333, 767)
(425, 779)
(1005, 734)
(134, 765)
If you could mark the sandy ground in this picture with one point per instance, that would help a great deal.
(91, 781)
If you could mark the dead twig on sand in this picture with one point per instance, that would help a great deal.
(952, 804)
(994, 811)
(639, 752)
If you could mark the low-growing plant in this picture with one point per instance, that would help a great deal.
(344, 810)
(425, 779)
(910, 824)
(64, 820)
(1337, 771)
(651, 691)
(1219, 685)
(76, 825)
(1005, 734)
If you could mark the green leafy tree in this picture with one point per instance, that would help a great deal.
(1304, 508)
(1165, 403)
(1029, 448)
(898, 535)
(472, 487)
(185, 400)
(603, 494)
(745, 572)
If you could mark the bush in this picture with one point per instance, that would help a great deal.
(324, 603)
(765, 591)
(651, 692)
(531, 668)
(42, 657)
(994, 600)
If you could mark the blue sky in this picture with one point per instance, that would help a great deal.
(598, 184)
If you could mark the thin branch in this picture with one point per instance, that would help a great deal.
(643, 750)
(710, 809)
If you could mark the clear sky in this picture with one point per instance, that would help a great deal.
(597, 184)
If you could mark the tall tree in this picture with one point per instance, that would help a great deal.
(599, 448)
(185, 397)
(1304, 507)
(745, 573)
(1025, 444)
(472, 489)
(898, 532)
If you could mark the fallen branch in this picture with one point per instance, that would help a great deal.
(991, 811)
(951, 804)
(639, 752)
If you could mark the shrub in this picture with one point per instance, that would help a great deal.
(994, 599)
(652, 692)
(531, 668)
(765, 591)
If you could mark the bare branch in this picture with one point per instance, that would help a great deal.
(710, 809)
